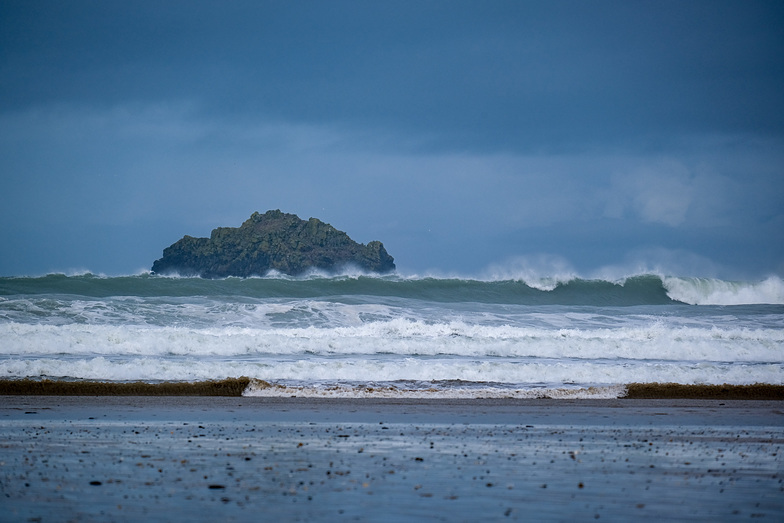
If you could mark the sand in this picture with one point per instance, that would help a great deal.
(290, 459)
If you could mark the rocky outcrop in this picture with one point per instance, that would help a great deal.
(271, 241)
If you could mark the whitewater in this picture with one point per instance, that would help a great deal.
(361, 335)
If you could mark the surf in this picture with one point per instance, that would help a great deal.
(643, 289)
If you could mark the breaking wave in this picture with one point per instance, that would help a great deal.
(644, 289)
(397, 335)
(704, 291)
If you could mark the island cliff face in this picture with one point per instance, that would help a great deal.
(271, 241)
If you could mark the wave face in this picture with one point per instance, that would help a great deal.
(394, 335)
(645, 289)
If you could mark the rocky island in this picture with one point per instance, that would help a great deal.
(271, 241)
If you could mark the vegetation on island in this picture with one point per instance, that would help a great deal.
(271, 241)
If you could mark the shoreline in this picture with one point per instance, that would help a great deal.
(163, 458)
(235, 387)
(642, 413)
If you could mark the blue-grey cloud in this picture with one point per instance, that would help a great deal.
(513, 75)
(459, 133)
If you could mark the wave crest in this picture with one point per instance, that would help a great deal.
(541, 272)
(561, 288)
(709, 291)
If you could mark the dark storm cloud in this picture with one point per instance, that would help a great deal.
(511, 75)
(459, 133)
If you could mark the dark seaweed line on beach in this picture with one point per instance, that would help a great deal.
(28, 387)
(236, 386)
(756, 391)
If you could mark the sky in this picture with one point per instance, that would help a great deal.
(486, 138)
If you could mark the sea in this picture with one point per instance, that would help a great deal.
(360, 335)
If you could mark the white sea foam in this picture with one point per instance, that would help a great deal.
(520, 375)
(401, 338)
(351, 330)
(705, 291)
(258, 388)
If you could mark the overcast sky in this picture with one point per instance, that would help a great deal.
(472, 138)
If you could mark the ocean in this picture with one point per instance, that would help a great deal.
(359, 335)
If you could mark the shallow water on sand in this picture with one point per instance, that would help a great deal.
(301, 461)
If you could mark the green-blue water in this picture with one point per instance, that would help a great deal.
(347, 334)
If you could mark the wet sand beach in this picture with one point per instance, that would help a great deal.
(92, 458)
